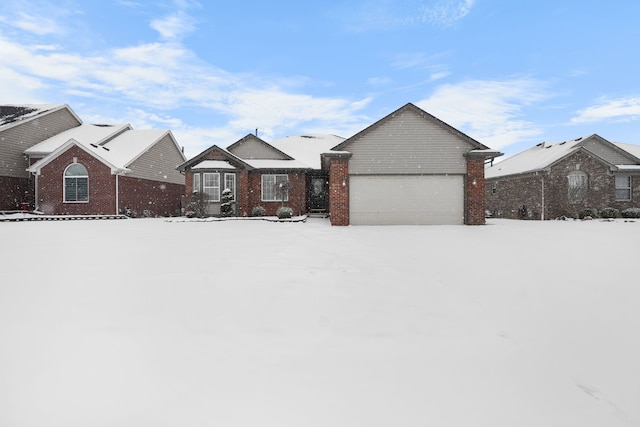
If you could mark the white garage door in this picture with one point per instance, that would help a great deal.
(406, 199)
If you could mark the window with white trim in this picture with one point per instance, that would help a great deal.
(76, 183)
(578, 185)
(196, 182)
(275, 187)
(623, 187)
(211, 185)
(230, 183)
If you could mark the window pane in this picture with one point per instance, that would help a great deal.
(230, 183)
(211, 186)
(196, 183)
(76, 169)
(82, 185)
(275, 188)
(578, 185)
(69, 190)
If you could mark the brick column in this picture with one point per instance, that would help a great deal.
(339, 190)
(475, 192)
(242, 193)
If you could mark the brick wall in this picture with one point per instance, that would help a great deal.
(339, 191)
(51, 186)
(297, 194)
(475, 189)
(139, 195)
(149, 198)
(14, 192)
(511, 193)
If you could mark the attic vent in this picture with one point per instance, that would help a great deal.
(106, 148)
(102, 125)
(540, 145)
(307, 136)
(94, 145)
(578, 139)
(563, 142)
(548, 146)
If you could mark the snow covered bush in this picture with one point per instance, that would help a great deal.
(284, 212)
(631, 213)
(609, 213)
(258, 211)
(226, 208)
(593, 213)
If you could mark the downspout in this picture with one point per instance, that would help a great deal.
(36, 203)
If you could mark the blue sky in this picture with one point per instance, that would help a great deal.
(508, 73)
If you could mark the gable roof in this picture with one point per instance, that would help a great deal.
(84, 134)
(247, 139)
(307, 149)
(118, 153)
(202, 156)
(411, 107)
(545, 155)
(16, 114)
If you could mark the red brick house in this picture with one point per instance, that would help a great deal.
(553, 180)
(407, 168)
(261, 174)
(107, 169)
(21, 127)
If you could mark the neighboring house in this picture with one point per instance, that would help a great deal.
(552, 180)
(107, 169)
(21, 127)
(407, 168)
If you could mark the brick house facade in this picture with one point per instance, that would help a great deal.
(437, 170)
(128, 172)
(548, 191)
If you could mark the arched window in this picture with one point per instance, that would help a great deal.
(578, 185)
(76, 183)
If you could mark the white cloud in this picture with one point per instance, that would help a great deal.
(174, 26)
(488, 111)
(620, 109)
(391, 15)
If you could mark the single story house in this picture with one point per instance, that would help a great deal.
(107, 169)
(552, 180)
(407, 168)
(21, 127)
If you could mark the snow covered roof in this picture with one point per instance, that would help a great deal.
(213, 164)
(546, 154)
(307, 148)
(117, 153)
(632, 149)
(534, 159)
(11, 114)
(277, 164)
(85, 134)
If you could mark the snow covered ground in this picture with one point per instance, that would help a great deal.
(249, 323)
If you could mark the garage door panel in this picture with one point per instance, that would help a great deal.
(406, 200)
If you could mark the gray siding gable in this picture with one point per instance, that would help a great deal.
(607, 151)
(159, 162)
(409, 142)
(18, 136)
(253, 148)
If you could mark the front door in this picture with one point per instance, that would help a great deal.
(318, 194)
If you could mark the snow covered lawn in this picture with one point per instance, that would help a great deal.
(249, 323)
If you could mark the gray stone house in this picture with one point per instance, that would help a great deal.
(552, 180)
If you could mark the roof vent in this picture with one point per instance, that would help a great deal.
(94, 145)
(548, 146)
(106, 148)
(563, 142)
(578, 139)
